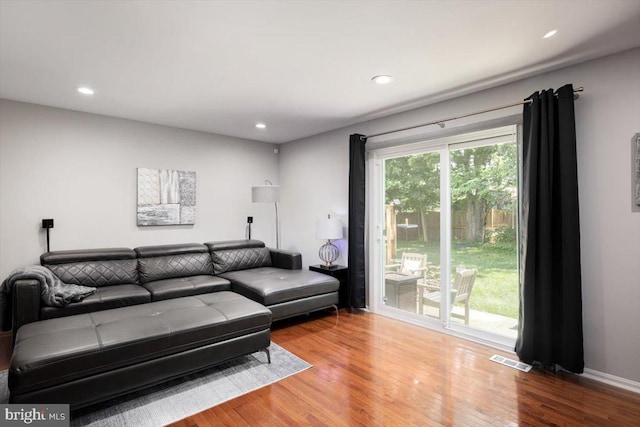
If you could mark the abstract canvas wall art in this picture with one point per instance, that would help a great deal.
(166, 197)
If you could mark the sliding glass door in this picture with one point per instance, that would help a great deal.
(484, 238)
(412, 228)
(448, 214)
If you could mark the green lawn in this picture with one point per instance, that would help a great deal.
(496, 287)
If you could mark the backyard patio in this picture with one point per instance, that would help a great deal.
(488, 322)
(494, 298)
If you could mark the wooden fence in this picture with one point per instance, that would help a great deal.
(407, 226)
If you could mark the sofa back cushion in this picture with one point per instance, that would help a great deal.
(234, 255)
(93, 267)
(170, 261)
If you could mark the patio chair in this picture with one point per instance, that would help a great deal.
(411, 263)
(460, 293)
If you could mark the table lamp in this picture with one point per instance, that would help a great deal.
(329, 229)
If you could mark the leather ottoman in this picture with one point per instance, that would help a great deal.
(91, 357)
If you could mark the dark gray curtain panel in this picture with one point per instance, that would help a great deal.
(550, 328)
(356, 257)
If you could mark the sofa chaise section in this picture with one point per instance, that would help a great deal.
(273, 278)
(174, 271)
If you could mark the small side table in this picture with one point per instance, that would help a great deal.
(341, 273)
(401, 291)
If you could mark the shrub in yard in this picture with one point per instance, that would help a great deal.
(504, 238)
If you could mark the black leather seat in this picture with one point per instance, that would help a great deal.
(77, 359)
(106, 297)
(270, 286)
(113, 272)
(186, 286)
(174, 271)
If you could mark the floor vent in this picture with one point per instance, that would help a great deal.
(511, 363)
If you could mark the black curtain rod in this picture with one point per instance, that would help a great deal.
(441, 122)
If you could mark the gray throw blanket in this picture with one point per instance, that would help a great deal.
(54, 292)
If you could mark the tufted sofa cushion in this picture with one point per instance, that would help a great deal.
(93, 267)
(238, 255)
(172, 261)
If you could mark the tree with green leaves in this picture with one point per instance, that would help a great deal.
(414, 181)
(481, 178)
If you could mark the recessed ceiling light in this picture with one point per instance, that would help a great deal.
(550, 34)
(86, 90)
(261, 125)
(382, 80)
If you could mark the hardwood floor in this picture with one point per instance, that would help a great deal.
(369, 370)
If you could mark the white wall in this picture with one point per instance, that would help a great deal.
(314, 183)
(314, 173)
(80, 169)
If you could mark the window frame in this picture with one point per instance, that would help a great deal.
(375, 223)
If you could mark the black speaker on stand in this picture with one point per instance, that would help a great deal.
(47, 224)
(249, 222)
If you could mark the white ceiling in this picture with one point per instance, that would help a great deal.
(301, 67)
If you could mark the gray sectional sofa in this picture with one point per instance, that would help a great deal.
(159, 312)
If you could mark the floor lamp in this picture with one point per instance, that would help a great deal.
(268, 193)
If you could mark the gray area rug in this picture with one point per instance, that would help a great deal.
(169, 402)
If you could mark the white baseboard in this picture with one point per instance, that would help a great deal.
(613, 380)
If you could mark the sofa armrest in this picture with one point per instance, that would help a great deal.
(25, 303)
(286, 259)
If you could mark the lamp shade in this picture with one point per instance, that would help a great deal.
(265, 194)
(329, 229)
